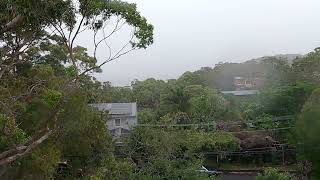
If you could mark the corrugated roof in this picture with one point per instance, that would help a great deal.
(117, 108)
(241, 92)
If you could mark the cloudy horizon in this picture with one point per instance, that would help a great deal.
(194, 34)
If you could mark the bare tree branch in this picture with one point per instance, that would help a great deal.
(105, 41)
(77, 32)
(23, 150)
(6, 108)
(60, 30)
(12, 24)
(116, 56)
(31, 89)
(96, 45)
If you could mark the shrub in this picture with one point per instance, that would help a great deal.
(273, 174)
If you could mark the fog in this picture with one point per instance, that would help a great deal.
(192, 34)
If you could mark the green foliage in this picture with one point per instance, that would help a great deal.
(277, 71)
(52, 97)
(223, 74)
(114, 169)
(46, 73)
(44, 86)
(105, 93)
(65, 11)
(37, 14)
(36, 115)
(85, 61)
(146, 116)
(84, 141)
(208, 107)
(40, 164)
(172, 169)
(281, 101)
(91, 178)
(265, 121)
(10, 133)
(128, 11)
(173, 99)
(168, 154)
(307, 68)
(219, 141)
(252, 110)
(71, 71)
(147, 92)
(191, 78)
(121, 94)
(273, 174)
(307, 131)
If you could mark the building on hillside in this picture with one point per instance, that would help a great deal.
(123, 117)
(248, 83)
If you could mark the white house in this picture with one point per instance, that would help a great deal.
(123, 117)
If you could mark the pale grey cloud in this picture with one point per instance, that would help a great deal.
(190, 34)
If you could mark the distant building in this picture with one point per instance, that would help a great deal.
(123, 117)
(241, 92)
(248, 83)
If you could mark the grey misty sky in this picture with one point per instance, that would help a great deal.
(190, 34)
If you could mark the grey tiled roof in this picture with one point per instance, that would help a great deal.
(241, 92)
(129, 109)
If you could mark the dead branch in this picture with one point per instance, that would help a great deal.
(15, 22)
(21, 150)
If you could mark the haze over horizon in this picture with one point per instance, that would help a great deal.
(193, 34)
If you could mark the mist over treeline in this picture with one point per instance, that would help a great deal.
(231, 117)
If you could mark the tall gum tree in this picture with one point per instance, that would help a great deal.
(26, 27)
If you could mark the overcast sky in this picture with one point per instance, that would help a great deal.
(190, 34)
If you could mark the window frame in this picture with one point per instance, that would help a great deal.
(115, 122)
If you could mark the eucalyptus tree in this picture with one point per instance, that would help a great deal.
(41, 60)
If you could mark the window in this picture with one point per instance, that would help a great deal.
(117, 122)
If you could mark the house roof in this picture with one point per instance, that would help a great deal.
(129, 109)
(238, 77)
(241, 92)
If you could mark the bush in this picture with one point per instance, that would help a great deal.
(273, 174)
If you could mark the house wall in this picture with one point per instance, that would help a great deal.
(126, 112)
(127, 122)
(248, 83)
